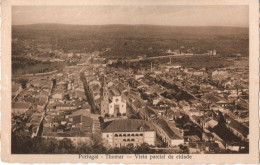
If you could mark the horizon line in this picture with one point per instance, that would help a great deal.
(131, 25)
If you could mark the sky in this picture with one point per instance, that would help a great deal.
(236, 16)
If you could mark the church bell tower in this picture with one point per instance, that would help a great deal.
(104, 107)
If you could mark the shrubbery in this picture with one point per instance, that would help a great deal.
(37, 145)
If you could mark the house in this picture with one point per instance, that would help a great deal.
(86, 107)
(57, 96)
(211, 124)
(65, 107)
(220, 75)
(147, 113)
(194, 112)
(207, 136)
(138, 76)
(136, 105)
(174, 115)
(157, 72)
(184, 105)
(118, 133)
(166, 133)
(222, 103)
(237, 128)
(156, 100)
(94, 82)
(20, 107)
(41, 103)
(70, 55)
(77, 127)
(80, 95)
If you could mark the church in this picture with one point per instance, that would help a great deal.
(111, 106)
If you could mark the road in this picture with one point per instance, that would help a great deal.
(156, 57)
(40, 127)
(90, 98)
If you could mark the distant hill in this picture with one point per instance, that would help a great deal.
(131, 41)
(139, 28)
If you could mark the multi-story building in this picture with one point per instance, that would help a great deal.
(118, 133)
(166, 133)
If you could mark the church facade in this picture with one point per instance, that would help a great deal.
(117, 106)
(111, 107)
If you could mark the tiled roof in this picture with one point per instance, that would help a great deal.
(20, 105)
(129, 125)
(163, 124)
(237, 126)
(114, 91)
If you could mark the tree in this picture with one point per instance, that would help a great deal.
(184, 148)
(143, 148)
(220, 117)
(106, 115)
(67, 97)
(101, 119)
(84, 148)
(23, 82)
(133, 117)
(66, 146)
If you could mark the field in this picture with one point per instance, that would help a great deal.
(129, 41)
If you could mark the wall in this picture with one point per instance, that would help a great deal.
(149, 137)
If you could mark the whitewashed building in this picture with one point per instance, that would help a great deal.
(118, 133)
(117, 106)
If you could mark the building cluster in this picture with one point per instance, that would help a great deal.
(28, 104)
(68, 113)
(206, 107)
(167, 105)
(189, 52)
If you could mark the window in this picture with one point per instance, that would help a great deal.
(128, 135)
(116, 100)
(124, 140)
(136, 134)
(132, 140)
(128, 140)
(133, 135)
(124, 134)
(107, 135)
(120, 135)
(116, 135)
(141, 134)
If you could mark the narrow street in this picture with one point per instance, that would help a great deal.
(40, 128)
(90, 99)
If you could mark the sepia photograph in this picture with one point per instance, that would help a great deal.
(137, 80)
